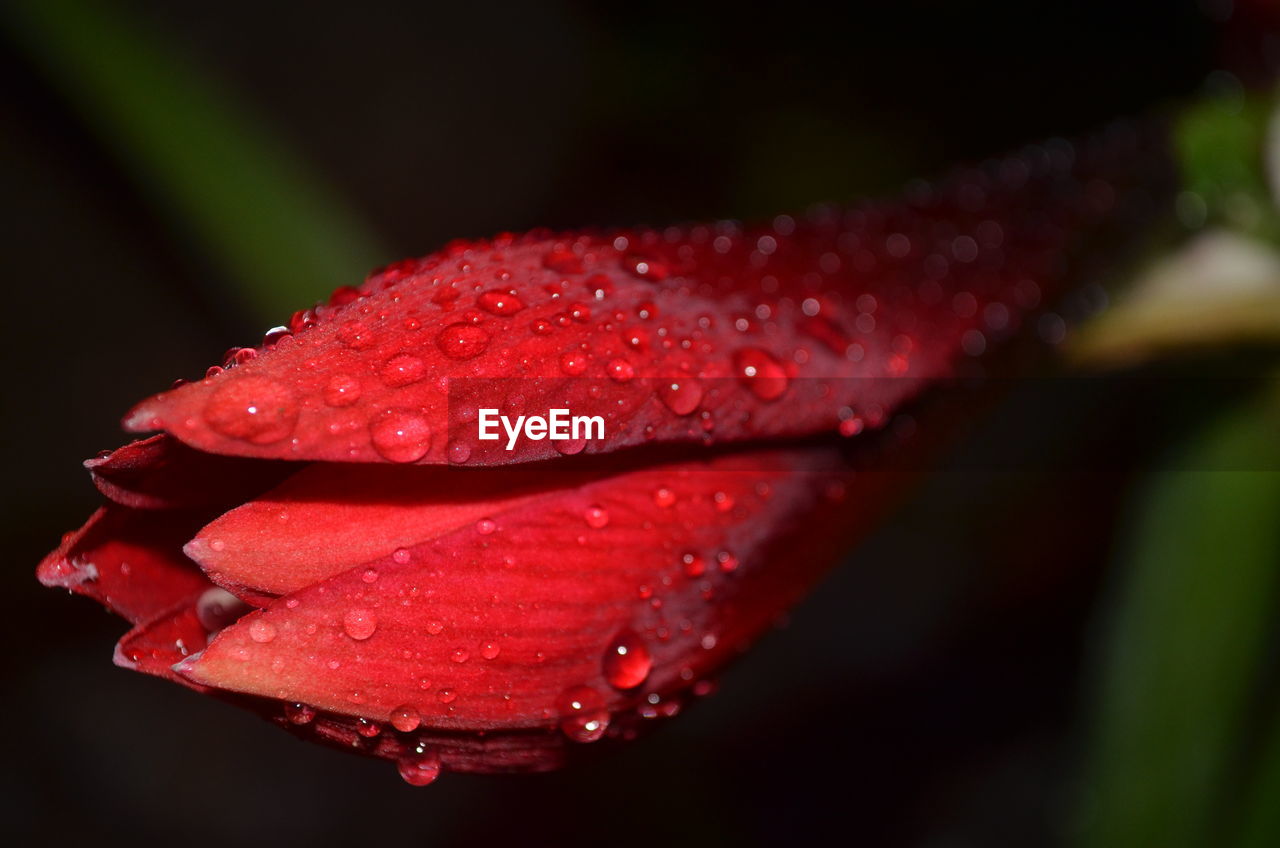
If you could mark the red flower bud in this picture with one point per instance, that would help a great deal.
(323, 535)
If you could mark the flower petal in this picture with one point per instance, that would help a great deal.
(682, 335)
(155, 646)
(632, 585)
(162, 473)
(128, 560)
(326, 518)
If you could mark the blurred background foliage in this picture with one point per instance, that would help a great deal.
(1094, 665)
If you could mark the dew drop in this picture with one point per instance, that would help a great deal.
(692, 565)
(851, 426)
(462, 341)
(355, 335)
(664, 497)
(490, 650)
(446, 696)
(583, 717)
(369, 575)
(401, 435)
(400, 556)
(254, 409)
(620, 370)
(573, 363)
(459, 452)
(486, 526)
(760, 373)
(570, 447)
(299, 714)
(596, 516)
(419, 768)
(681, 395)
(646, 269)
(262, 631)
(403, 370)
(341, 390)
(500, 303)
(405, 718)
(627, 660)
(728, 562)
(636, 338)
(359, 623)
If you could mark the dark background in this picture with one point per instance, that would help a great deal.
(928, 694)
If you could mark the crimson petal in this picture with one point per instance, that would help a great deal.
(487, 629)
(677, 335)
(130, 561)
(162, 473)
(326, 518)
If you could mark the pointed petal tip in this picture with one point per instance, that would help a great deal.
(143, 418)
(58, 572)
(121, 659)
(198, 552)
(186, 668)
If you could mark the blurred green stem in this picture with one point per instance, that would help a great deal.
(280, 236)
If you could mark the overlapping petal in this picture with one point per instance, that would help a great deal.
(677, 335)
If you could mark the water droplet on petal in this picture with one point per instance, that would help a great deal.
(359, 623)
(596, 516)
(462, 341)
(681, 395)
(459, 452)
(620, 370)
(851, 426)
(403, 370)
(401, 436)
(692, 565)
(500, 303)
(299, 714)
(355, 335)
(254, 409)
(262, 631)
(646, 269)
(341, 390)
(627, 660)
(573, 363)
(760, 373)
(419, 768)
(401, 556)
(486, 526)
(405, 718)
(583, 717)
(664, 497)
(490, 650)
